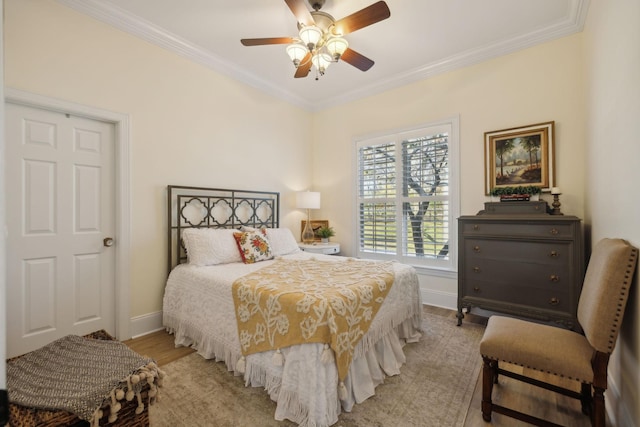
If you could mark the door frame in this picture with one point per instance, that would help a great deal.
(122, 176)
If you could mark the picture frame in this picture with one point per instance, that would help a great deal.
(520, 156)
(315, 225)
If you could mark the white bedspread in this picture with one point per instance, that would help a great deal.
(198, 309)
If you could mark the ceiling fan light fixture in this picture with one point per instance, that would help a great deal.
(320, 36)
(336, 47)
(310, 36)
(297, 52)
(321, 61)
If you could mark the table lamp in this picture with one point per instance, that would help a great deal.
(308, 200)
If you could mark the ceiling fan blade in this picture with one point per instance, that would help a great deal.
(304, 67)
(363, 18)
(268, 40)
(299, 9)
(359, 61)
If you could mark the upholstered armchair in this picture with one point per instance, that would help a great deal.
(557, 351)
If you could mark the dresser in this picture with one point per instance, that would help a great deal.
(516, 258)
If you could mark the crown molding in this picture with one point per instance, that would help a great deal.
(118, 18)
(574, 23)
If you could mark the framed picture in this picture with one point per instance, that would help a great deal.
(520, 157)
(315, 225)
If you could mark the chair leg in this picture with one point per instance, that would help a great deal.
(489, 375)
(598, 416)
(586, 400)
(599, 363)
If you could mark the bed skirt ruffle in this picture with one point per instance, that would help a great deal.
(317, 404)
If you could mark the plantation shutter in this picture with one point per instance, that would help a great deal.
(404, 197)
(425, 175)
(377, 178)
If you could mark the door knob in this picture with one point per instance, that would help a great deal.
(108, 242)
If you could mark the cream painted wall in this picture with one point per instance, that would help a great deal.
(539, 84)
(612, 58)
(189, 125)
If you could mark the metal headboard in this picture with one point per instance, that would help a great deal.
(201, 207)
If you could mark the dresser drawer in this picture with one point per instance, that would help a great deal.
(519, 229)
(541, 252)
(547, 299)
(518, 274)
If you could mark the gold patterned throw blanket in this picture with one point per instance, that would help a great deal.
(310, 301)
(82, 375)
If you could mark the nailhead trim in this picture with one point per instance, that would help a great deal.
(625, 286)
(540, 370)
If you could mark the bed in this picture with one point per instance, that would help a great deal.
(198, 306)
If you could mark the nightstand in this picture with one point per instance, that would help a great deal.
(320, 248)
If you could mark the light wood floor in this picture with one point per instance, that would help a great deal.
(514, 394)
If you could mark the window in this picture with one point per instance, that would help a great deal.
(407, 192)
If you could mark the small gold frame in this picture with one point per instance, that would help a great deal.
(315, 225)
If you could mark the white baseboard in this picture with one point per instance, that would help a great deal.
(439, 299)
(145, 324)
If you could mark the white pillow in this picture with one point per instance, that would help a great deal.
(210, 246)
(282, 241)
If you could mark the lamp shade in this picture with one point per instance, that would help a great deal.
(336, 47)
(321, 61)
(310, 36)
(297, 52)
(308, 200)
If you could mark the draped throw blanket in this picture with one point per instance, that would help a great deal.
(82, 376)
(311, 301)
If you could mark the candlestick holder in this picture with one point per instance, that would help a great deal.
(556, 205)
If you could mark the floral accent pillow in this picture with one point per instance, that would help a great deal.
(254, 246)
(281, 240)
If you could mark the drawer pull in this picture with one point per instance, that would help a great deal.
(554, 301)
(553, 254)
(476, 289)
(476, 269)
(476, 227)
(476, 249)
(554, 231)
(554, 278)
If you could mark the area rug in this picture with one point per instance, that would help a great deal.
(434, 388)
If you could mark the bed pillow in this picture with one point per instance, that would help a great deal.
(210, 246)
(253, 246)
(282, 241)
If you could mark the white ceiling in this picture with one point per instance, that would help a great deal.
(420, 39)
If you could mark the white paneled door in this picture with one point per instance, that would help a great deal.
(60, 207)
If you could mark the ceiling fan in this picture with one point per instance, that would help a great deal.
(320, 42)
